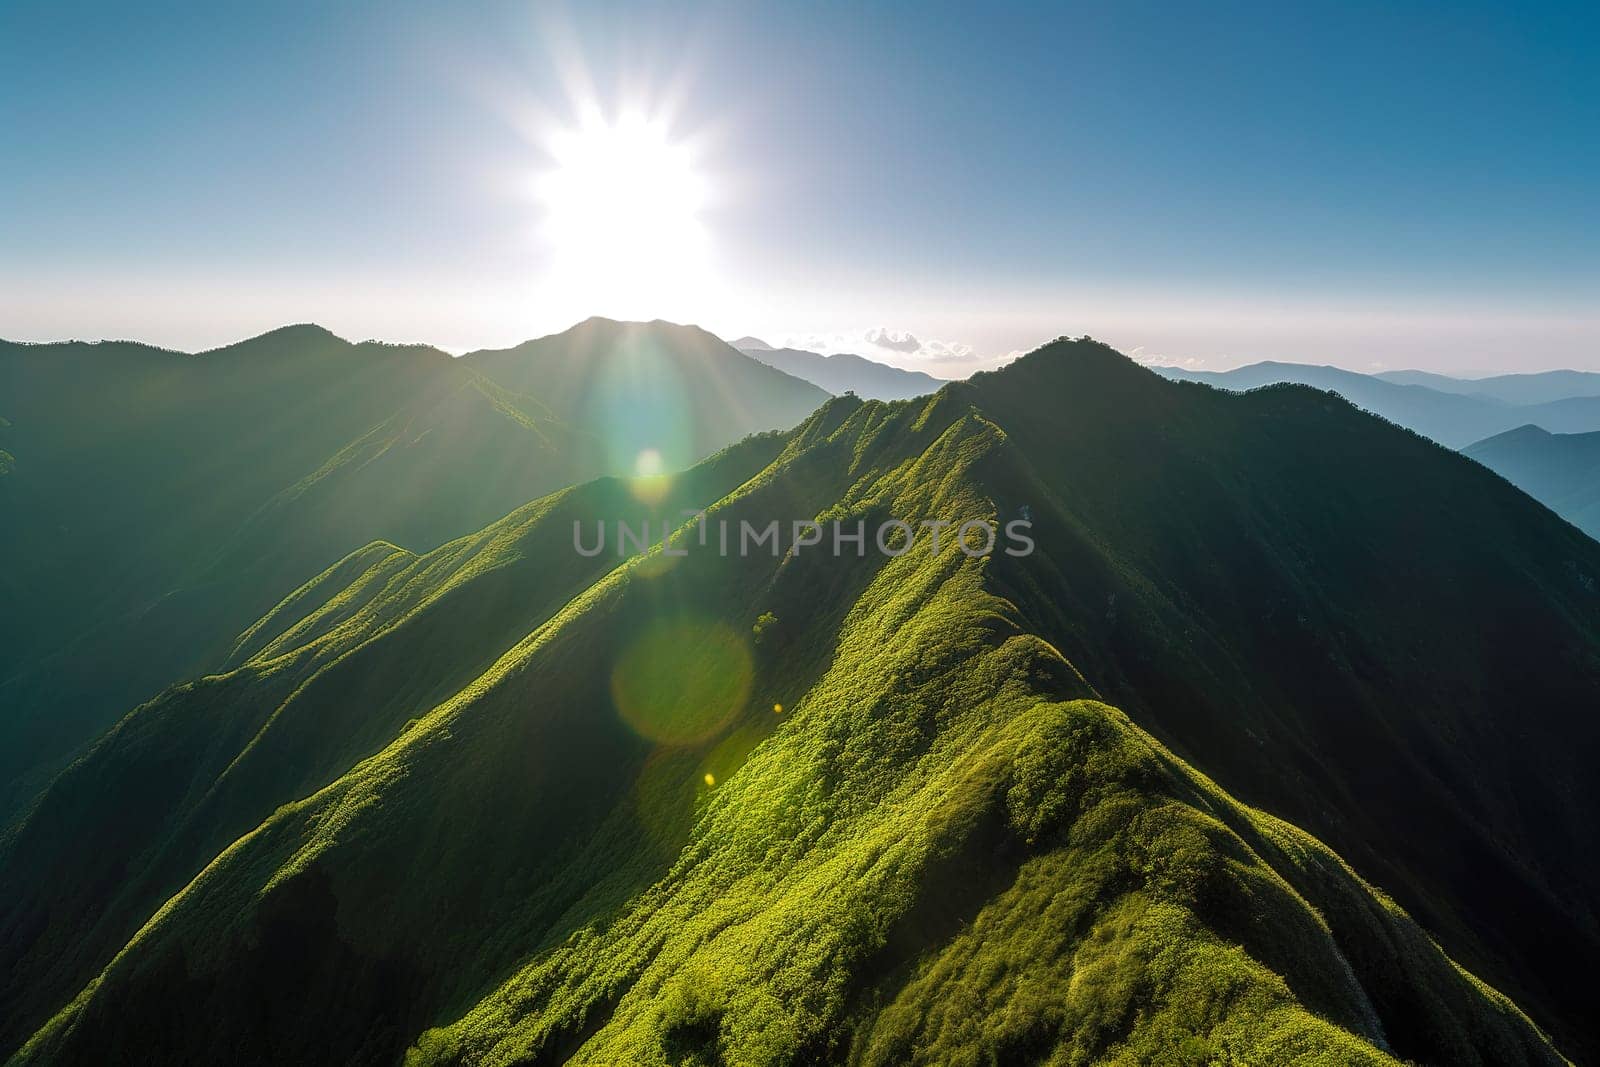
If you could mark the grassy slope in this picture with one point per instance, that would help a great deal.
(163, 501)
(942, 848)
(328, 677)
(1345, 624)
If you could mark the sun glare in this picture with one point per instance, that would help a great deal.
(622, 220)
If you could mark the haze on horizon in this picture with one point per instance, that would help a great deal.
(935, 188)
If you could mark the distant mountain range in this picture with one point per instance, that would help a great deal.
(842, 373)
(1279, 748)
(1561, 470)
(1456, 416)
(157, 502)
(1541, 388)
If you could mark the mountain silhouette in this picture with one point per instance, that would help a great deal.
(843, 373)
(1543, 387)
(1560, 470)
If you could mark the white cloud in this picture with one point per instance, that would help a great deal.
(901, 348)
(893, 340)
(1155, 359)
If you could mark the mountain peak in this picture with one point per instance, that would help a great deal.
(602, 327)
(300, 333)
(752, 344)
(1078, 361)
(1527, 432)
(1520, 437)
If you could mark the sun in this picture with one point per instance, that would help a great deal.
(622, 219)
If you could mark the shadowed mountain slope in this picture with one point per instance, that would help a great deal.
(800, 808)
(1407, 648)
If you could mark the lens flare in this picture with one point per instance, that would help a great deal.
(637, 404)
(729, 754)
(648, 464)
(682, 680)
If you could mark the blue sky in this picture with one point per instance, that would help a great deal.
(1213, 184)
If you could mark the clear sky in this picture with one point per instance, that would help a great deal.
(1355, 184)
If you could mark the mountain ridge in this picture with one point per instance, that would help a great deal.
(242, 470)
(1534, 388)
(942, 717)
(843, 372)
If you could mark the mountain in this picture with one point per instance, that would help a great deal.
(162, 501)
(1541, 388)
(1452, 419)
(676, 391)
(1560, 470)
(843, 373)
(502, 802)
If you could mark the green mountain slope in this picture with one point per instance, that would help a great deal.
(164, 500)
(1357, 630)
(607, 845)
(327, 678)
(1562, 471)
